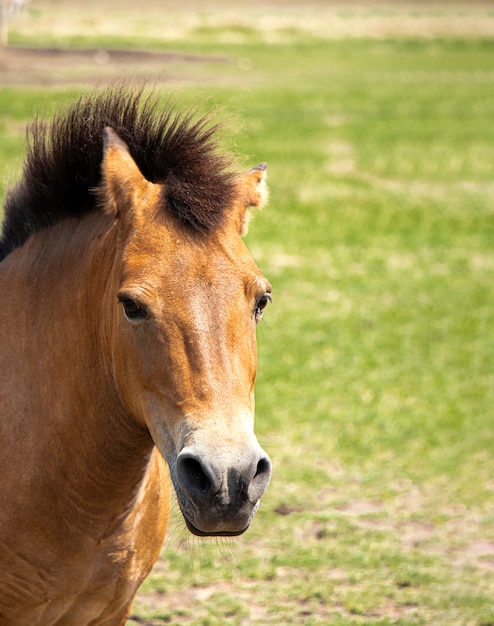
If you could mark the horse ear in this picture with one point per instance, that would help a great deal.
(253, 194)
(122, 179)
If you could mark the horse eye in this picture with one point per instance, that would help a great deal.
(132, 310)
(261, 305)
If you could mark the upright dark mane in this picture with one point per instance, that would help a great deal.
(62, 166)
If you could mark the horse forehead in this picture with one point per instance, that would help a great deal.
(179, 259)
(215, 257)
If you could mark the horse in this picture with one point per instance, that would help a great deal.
(127, 354)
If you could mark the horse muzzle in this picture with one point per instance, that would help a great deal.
(219, 496)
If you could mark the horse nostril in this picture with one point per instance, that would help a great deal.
(191, 473)
(263, 468)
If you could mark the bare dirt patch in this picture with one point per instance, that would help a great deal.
(60, 66)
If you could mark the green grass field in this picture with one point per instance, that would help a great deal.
(375, 394)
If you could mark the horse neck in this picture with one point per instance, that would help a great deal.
(65, 273)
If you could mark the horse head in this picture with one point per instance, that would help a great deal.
(182, 312)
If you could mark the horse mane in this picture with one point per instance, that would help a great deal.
(62, 169)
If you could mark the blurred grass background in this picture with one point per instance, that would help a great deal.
(376, 374)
